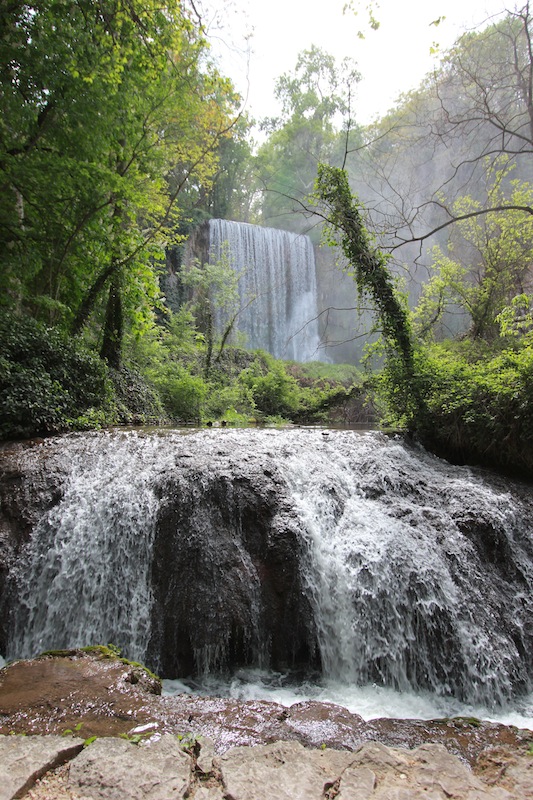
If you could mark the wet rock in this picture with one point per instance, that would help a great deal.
(89, 692)
(226, 572)
(95, 695)
(30, 481)
(24, 759)
(112, 769)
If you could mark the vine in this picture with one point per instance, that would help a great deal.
(345, 226)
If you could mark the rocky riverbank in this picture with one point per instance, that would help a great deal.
(150, 746)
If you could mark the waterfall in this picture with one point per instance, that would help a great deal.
(277, 287)
(85, 575)
(393, 567)
(346, 551)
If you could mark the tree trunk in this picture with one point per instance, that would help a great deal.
(111, 349)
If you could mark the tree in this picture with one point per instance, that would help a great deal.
(343, 216)
(216, 302)
(316, 100)
(110, 109)
(435, 146)
(485, 89)
(498, 248)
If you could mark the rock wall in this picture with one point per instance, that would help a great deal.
(226, 576)
(30, 484)
(352, 555)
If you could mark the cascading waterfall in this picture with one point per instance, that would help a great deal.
(277, 287)
(394, 579)
(418, 575)
(86, 572)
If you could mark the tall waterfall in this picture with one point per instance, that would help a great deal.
(348, 552)
(277, 287)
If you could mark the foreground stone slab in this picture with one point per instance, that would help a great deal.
(113, 769)
(284, 770)
(381, 773)
(159, 769)
(287, 771)
(24, 759)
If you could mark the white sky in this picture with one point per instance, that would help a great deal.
(392, 60)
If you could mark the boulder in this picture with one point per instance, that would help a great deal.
(112, 769)
(24, 759)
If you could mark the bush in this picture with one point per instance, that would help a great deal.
(136, 401)
(480, 409)
(46, 379)
(182, 394)
(274, 392)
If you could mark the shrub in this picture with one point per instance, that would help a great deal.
(480, 409)
(182, 394)
(274, 392)
(46, 379)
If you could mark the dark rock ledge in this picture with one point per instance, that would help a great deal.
(200, 747)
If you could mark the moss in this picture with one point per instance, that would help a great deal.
(109, 651)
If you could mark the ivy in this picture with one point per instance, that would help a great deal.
(345, 226)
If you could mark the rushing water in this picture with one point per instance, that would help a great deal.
(370, 701)
(418, 574)
(86, 572)
(277, 287)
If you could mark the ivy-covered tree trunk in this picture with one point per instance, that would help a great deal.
(373, 279)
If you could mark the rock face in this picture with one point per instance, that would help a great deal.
(112, 769)
(215, 749)
(356, 557)
(24, 760)
(30, 484)
(225, 584)
(236, 570)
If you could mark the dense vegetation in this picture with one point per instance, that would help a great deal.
(118, 135)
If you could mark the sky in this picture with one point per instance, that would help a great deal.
(391, 60)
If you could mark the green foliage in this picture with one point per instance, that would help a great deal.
(516, 319)
(87, 742)
(47, 381)
(135, 399)
(182, 394)
(488, 260)
(110, 115)
(273, 391)
(229, 401)
(216, 301)
(314, 98)
(326, 374)
(479, 404)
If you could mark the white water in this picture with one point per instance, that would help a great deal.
(398, 589)
(391, 575)
(369, 701)
(277, 287)
(414, 616)
(86, 576)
